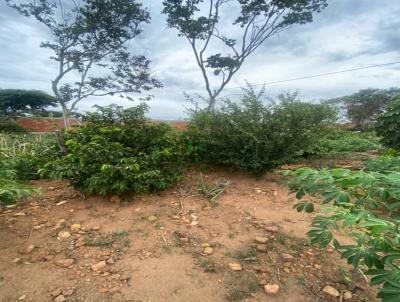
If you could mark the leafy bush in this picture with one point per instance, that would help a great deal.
(120, 151)
(8, 125)
(10, 189)
(253, 136)
(26, 154)
(388, 125)
(383, 163)
(336, 140)
(364, 204)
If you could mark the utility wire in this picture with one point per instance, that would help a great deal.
(322, 74)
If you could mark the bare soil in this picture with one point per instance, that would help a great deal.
(151, 249)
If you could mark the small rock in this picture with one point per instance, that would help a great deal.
(271, 289)
(95, 228)
(115, 199)
(208, 250)
(41, 256)
(56, 292)
(59, 298)
(68, 291)
(75, 227)
(261, 248)
(65, 262)
(235, 266)
(261, 240)
(61, 202)
(22, 297)
(272, 229)
(317, 266)
(99, 266)
(287, 257)
(110, 260)
(204, 245)
(64, 235)
(347, 295)
(28, 249)
(152, 218)
(20, 214)
(331, 291)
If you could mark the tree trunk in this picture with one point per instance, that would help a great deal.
(66, 118)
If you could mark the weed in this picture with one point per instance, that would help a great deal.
(207, 265)
(107, 240)
(249, 254)
(240, 286)
(212, 192)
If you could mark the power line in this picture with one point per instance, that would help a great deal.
(323, 74)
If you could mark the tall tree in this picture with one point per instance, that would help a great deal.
(19, 101)
(363, 107)
(90, 45)
(255, 22)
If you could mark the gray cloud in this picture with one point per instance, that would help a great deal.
(349, 33)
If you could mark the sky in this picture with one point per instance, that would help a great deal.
(347, 34)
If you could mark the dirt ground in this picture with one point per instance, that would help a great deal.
(62, 247)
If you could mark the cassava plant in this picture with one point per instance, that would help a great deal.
(364, 205)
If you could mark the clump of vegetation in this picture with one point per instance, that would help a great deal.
(213, 191)
(8, 125)
(337, 140)
(120, 151)
(253, 136)
(11, 190)
(388, 125)
(383, 163)
(241, 286)
(366, 205)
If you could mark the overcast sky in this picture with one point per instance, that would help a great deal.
(347, 34)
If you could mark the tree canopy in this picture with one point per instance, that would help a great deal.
(89, 45)
(19, 101)
(202, 23)
(363, 107)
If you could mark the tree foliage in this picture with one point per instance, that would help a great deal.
(90, 45)
(18, 101)
(363, 107)
(202, 23)
(255, 136)
(388, 125)
(120, 151)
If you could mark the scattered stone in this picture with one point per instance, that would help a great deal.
(75, 227)
(99, 266)
(56, 292)
(41, 256)
(271, 289)
(68, 291)
(18, 261)
(261, 248)
(64, 235)
(80, 242)
(208, 250)
(27, 250)
(317, 266)
(103, 290)
(287, 257)
(22, 297)
(152, 218)
(235, 266)
(62, 202)
(261, 240)
(204, 245)
(115, 199)
(59, 298)
(95, 228)
(110, 260)
(272, 229)
(331, 291)
(347, 295)
(20, 214)
(65, 262)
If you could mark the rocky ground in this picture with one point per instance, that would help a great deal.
(247, 245)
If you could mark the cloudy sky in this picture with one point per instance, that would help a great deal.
(348, 34)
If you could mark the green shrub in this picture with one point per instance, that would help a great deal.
(11, 190)
(8, 125)
(383, 163)
(253, 136)
(388, 125)
(26, 154)
(366, 206)
(336, 140)
(120, 151)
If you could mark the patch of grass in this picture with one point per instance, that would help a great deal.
(248, 254)
(107, 239)
(240, 286)
(207, 264)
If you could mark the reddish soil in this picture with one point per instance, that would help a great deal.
(153, 250)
